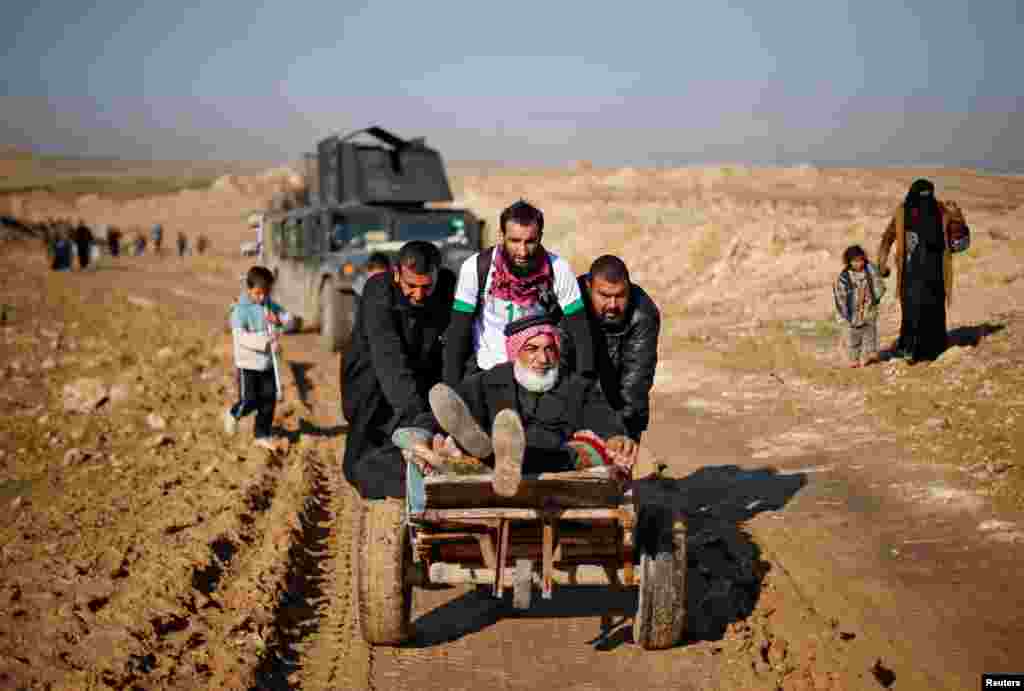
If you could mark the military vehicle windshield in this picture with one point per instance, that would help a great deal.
(430, 229)
(348, 234)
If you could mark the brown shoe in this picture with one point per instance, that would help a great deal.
(509, 449)
(456, 419)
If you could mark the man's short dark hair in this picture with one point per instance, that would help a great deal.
(259, 277)
(378, 260)
(524, 213)
(420, 256)
(852, 252)
(609, 268)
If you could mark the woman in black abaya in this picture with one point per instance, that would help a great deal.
(923, 298)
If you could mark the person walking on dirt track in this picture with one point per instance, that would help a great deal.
(84, 239)
(114, 240)
(376, 263)
(158, 238)
(60, 251)
(524, 416)
(391, 364)
(625, 325)
(517, 278)
(926, 233)
(254, 321)
(182, 244)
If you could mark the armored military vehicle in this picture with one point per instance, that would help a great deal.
(361, 197)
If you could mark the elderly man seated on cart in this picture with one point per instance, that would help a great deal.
(538, 428)
(523, 416)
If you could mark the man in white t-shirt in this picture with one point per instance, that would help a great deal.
(519, 279)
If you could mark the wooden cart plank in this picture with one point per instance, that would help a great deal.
(472, 515)
(583, 574)
(470, 552)
(548, 557)
(486, 545)
(576, 489)
(502, 558)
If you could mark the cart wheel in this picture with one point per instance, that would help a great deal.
(385, 599)
(661, 609)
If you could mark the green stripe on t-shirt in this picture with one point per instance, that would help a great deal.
(573, 307)
(461, 306)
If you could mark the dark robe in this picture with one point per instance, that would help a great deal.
(83, 238)
(923, 298)
(387, 370)
(549, 419)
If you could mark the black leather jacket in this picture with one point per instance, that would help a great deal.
(626, 355)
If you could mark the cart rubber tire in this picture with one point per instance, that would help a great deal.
(385, 600)
(336, 317)
(661, 606)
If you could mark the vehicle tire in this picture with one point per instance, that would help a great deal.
(385, 552)
(661, 606)
(336, 317)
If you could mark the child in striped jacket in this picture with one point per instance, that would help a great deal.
(858, 292)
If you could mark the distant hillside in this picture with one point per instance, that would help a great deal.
(13, 152)
(68, 176)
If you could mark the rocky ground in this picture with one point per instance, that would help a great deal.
(847, 529)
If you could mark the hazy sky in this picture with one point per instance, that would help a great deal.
(866, 81)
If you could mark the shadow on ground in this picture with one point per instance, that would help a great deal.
(307, 428)
(960, 337)
(972, 335)
(302, 381)
(724, 570)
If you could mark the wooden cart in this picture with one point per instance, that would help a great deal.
(573, 528)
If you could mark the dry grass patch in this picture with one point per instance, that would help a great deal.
(964, 409)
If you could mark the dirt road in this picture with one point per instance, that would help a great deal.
(164, 556)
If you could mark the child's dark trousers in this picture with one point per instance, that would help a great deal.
(256, 393)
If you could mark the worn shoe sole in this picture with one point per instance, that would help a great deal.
(509, 440)
(230, 423)
(456, 419)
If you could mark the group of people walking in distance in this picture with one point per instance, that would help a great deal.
(65, 240)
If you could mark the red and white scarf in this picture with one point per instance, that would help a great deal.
(519, 290)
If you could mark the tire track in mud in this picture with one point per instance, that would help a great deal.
(322, 647)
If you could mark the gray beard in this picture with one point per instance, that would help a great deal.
(533, 382)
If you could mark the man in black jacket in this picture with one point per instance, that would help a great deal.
(393, 361)
(624, 324)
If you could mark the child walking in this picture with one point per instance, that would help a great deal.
(858, 292)
(254, 322)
